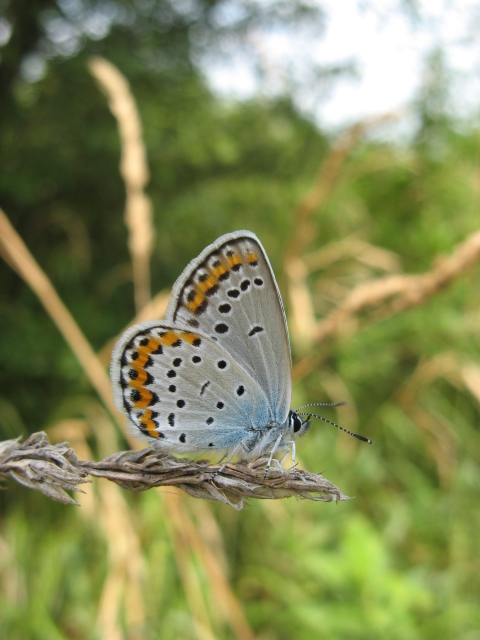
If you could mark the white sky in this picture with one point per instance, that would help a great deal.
(389, 51)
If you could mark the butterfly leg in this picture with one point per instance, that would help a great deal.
(234, 453)
(290, 443)
(274, 448)
(294, 449)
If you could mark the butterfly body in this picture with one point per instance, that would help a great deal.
(215, 375)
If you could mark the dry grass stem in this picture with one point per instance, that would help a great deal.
(393, 294)
(471, 378)
(134, 171)
(227, 604)
(326, 180)
(302, 317)
(53, 469)
(301, 306)
(37, 464)
(352, 247)
(141, 233)
(14, 251)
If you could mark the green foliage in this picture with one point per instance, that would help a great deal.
(399, 561)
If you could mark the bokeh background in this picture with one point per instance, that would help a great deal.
(365, 194)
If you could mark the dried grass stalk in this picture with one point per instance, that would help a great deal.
(301, 305)
(327, 178)
(134, 171)
(52, 469)
(393, 294)
(37, 464)
(16, 254)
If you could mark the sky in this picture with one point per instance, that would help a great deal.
(381, 38)
(389, 49)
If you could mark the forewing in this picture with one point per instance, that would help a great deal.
(230, 294)
(183, 389)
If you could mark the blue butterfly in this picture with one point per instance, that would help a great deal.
(216, 374)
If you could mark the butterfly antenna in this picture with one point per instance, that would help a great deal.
(321, 404)
(350, 433)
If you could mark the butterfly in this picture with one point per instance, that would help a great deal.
(216, 373)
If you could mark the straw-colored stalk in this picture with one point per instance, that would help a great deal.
(53, 469)
(138, 217)
(385, 297)
(327, 179)
(328, 176)
(16, 254)
(134, 171)
(441, 437)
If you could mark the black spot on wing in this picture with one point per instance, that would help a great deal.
(201, 308)
(135, 395)
(225, 308)
(221, 327)
(213, 289)
(244, 285)
(154, 399)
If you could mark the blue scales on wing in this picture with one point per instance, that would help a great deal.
(183, 389)
(230, 294)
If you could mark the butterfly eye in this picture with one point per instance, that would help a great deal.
(297, 424)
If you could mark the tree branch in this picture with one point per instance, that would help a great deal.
(55, 469)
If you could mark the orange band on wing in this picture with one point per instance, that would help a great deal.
(233, 260)
(196, 302)
(191, 338)
(207, 284)
(141, 378)
(149, 424)
(144, 352)
(218, 272)
(251, 258)
(145, 399)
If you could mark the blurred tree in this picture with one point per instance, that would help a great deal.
(397, 562)
(214, 165)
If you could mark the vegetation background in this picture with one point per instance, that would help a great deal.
(349, 221)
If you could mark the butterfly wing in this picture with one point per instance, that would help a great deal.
(184, 390)
(230, 294)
